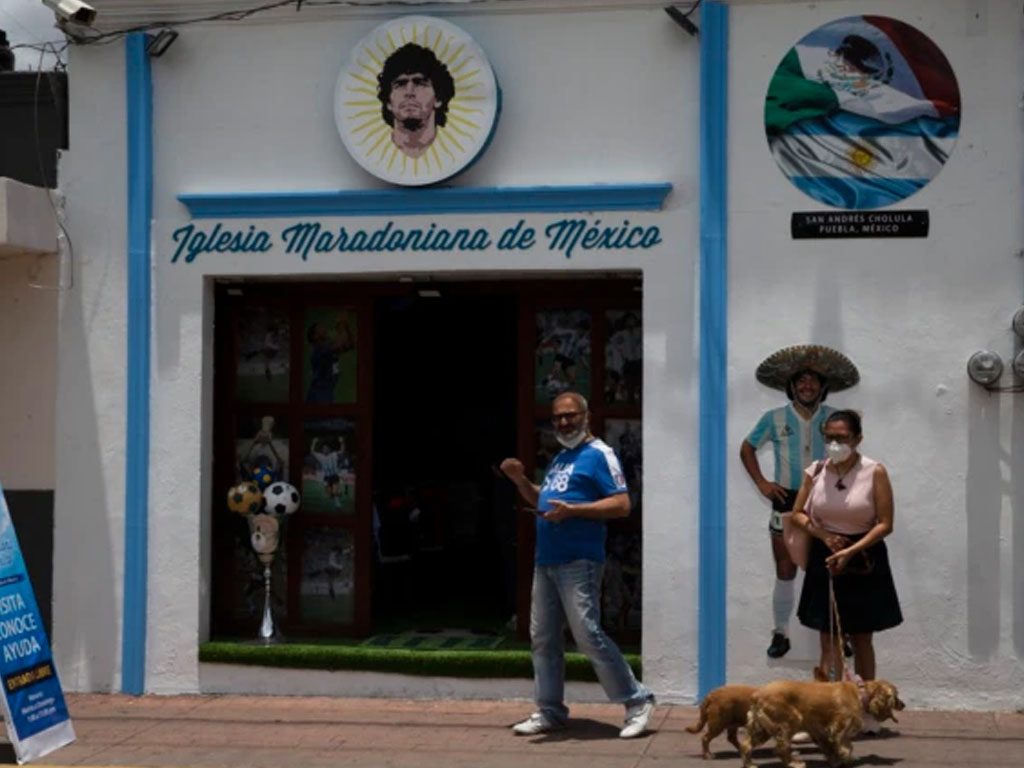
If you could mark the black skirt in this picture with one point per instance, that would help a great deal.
(867, 602)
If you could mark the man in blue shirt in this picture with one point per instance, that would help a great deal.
(583, 487)
(806, 373)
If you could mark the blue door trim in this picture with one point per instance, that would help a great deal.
(714, 48)
(139, 115)
(394, 202)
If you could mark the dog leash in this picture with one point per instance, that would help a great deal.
(835, 633)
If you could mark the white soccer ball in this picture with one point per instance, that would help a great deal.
(281, 499)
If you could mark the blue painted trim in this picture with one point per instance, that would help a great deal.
(139, 111)
(714, 48)
(393, 202)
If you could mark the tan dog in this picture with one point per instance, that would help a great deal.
(723, 709)
(830, 712)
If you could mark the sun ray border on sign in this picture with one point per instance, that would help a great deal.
(364, 122)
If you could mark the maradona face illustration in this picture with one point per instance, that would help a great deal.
(417, 102)
(862, 112)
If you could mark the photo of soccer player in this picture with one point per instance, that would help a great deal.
(562, 353)
(263, 353)
(328, 467)
(329, 367)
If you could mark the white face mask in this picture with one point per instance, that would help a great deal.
(571, 441)
(838, 452)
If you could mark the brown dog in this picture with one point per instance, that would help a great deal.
(830, 712)
(723, 709)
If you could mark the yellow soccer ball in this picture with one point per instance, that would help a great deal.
(245, 498)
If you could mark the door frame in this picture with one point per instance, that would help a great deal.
(595, 293)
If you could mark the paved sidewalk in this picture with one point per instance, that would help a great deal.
(304, 732)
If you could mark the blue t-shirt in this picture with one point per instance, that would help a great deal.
(586, 473)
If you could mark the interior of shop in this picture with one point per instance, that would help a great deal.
(444, 417)
(390, 407)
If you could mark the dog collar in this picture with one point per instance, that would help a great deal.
(863, 691)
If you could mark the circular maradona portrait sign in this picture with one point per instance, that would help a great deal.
(417, 101)
(862, 112)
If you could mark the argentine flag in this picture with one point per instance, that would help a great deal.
(862, 112)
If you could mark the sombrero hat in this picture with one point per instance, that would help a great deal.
(835, 367)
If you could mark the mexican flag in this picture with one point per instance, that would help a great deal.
(862, 112)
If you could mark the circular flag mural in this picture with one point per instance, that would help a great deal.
(417, 101)
(862, 112)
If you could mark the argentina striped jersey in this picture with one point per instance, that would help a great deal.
(797, 442)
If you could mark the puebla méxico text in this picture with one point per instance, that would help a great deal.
(311, 237)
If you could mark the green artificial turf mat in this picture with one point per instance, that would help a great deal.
(435, 641)
(497, 663)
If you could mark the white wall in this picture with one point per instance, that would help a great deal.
(89, 499)
(909, 313)
(30, 280)
(27, 389)
(589, 97)
(596, 97)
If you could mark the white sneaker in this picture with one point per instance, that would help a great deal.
(637, 720)
(535, 724)
(801, 737)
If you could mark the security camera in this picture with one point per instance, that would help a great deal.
(72, 10)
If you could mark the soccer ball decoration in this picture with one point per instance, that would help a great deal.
(281, 499)
(264, 502)
(245, 499)
(262, 475)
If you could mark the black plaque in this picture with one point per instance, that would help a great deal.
(846, 224)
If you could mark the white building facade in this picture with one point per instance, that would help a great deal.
(610, 115)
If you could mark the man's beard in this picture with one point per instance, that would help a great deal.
(412, 123)
(571, 441)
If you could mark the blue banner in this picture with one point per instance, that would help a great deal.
(33, 701)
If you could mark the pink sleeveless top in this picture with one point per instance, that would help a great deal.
(846, 511)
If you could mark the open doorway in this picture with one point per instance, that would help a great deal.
(445, 414)
(414, 528)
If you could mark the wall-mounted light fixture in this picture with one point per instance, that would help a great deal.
(157, 44)
(682, 18)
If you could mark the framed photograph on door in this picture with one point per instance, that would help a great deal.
(562, 353)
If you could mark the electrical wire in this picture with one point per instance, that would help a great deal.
(89, 36)
(693, 8)
(60, 286)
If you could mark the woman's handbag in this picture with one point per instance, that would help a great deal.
(796, 539)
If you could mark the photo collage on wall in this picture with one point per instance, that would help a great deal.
(620, 592)
(264, 347)
(327, 587)
(328, 467)
(261, 441)
(562, 356)
(624, 359)
(329, 356)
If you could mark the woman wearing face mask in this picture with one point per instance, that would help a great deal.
(846, 506)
